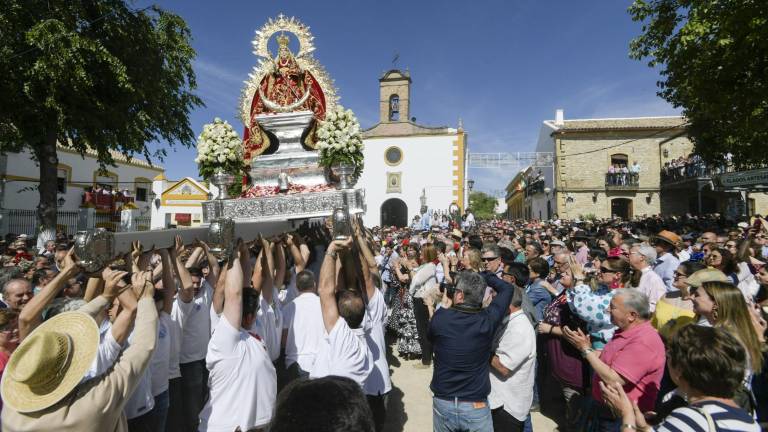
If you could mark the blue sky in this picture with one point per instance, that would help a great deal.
(501, 66)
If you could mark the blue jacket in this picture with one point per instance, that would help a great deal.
(462, 345)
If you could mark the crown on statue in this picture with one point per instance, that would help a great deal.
(283, 40)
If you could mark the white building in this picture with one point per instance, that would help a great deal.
(405, 161)
(178, 203)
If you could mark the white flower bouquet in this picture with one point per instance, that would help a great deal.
(340, 141)
(219, 148)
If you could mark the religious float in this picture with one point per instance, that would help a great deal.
(298, 160)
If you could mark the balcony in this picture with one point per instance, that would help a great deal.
(535, 187)
(622, 181)
(105, 200)
(678, 172)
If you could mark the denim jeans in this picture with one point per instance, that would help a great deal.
(160, 412)
(457, 416)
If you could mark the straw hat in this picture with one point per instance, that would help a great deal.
(668, 237)
(50, 362)
(708, 274)
(457, 234)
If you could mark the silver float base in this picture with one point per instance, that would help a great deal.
(285, 207)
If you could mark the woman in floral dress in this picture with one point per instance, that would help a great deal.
(402, 321)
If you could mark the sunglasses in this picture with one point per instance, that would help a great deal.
(680, 275)
(730, 245)
(488, 259)
(607, 270)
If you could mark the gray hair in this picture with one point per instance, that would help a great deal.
(517, 297)
(8, 274)
(492, 248)
(63, 304)
(635, 300)
(648, 252)
(473, 287)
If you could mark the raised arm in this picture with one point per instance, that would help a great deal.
(218, 291)
(279, 264)
(32, 314)
(194, 257)
(233, 290)
(267, 283)
(214, 270)
(187, 292)
(326, 288)
(298, 258)
(169, 282)
(93, 288)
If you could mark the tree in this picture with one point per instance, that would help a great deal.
(482, 205)
(713, 57)
(91, 74)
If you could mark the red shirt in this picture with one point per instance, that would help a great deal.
(638, 356)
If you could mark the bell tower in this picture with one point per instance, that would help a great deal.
(394, 96)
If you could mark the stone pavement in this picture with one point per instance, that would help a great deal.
(410, 401)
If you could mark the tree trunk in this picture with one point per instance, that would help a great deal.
(47, 208)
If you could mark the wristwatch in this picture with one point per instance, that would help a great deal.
(331, 254)
(586, 352)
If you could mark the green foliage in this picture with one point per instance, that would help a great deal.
(482, 205)
(94, 75)
(713, 57)
(588, 217)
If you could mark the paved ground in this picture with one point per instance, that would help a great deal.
(410, 402)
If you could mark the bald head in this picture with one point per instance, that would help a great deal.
(17, 293)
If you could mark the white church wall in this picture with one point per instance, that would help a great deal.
(427, 164)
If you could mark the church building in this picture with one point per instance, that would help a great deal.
(407, 165)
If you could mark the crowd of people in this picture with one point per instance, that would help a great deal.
(619, 174)
(648, 324)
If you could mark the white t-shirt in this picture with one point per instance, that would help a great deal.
(141, 401)
(107, 353)
(242, 381)
(303, 319)
(378, 381)
(343, 352)
(290, 292)
(159, 365)
(268, 325)
(195, 323)
(515, 344)
(174, 330)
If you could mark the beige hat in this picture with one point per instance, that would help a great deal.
(708, 274)
(457, 234)
(50, 362)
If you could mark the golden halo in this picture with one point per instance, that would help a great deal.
(304, 59)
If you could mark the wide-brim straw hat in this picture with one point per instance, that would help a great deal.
(668, 237)
(457, 234)
(708, 274)
(50, 362)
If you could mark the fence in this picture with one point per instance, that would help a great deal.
(18, 221)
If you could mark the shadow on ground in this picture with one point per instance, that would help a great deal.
(396, 415)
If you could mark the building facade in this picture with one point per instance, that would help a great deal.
(621, 167)
(607, 167)
(178, 203)
(80, 181)
(515, 195)
(408, 165)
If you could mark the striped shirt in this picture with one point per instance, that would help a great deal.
(725, 417)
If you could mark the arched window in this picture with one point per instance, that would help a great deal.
(619, 159)
(394, 108)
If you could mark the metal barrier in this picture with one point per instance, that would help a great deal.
(23, 221)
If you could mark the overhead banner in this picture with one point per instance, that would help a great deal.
(744, 178)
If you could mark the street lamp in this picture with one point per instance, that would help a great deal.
(470, 184)
(60, 202)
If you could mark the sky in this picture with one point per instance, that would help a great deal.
(502, 67)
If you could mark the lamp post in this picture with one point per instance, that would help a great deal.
(60, 202)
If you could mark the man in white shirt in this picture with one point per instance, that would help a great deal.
(191, 310)
(512, 368)
(343, 350)
(302, 327)
(642, 257)
(243, 382)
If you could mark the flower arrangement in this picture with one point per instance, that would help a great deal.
(340, 140)
(219, 148)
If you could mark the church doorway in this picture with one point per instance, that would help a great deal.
(621, 208)
(394, 212)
